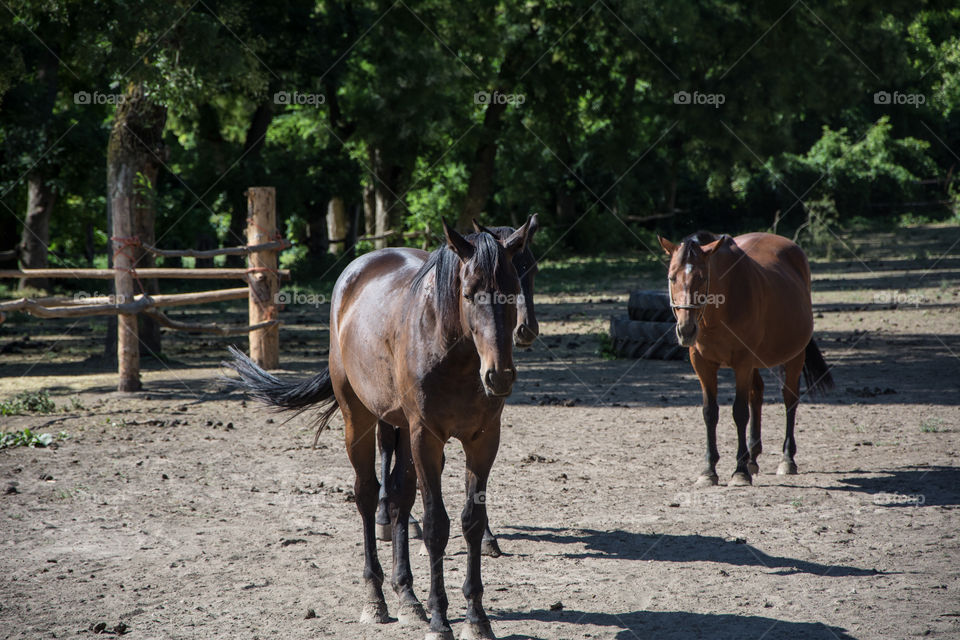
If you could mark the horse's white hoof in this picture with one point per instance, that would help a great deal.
(740, 479)
(490, 547)
(473, 631)
(412, 614)
(787, 468)
(374, 613)
(707, 481)
(384, 532)
(414, 529)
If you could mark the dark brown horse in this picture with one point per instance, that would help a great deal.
(523, 336)
(744, 303)
(424, 345)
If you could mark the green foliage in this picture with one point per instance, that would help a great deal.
(28, 402)
(27, 438)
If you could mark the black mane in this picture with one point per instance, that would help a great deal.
(446, 264)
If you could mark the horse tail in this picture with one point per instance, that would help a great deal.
(284, 396)
(816, 372)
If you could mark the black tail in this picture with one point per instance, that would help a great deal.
(283, 396)
(816, 373)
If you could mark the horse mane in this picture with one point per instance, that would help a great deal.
(446, 289)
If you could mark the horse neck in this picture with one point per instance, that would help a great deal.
(725, 268)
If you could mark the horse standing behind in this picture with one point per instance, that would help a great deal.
(744, 303)
(422, 343)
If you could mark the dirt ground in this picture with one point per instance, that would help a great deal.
(186, 512)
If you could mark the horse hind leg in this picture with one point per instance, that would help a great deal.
(386, 443)
(361, 449)
(756, 404)
(791, 398)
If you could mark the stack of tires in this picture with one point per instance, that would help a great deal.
(649, 329)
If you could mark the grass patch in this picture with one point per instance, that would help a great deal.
(28, 438)
(931, 425)
(596, 273)
(605, 348)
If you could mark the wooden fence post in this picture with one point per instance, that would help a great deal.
(263, 277)
(128, 343)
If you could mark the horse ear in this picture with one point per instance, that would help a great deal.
(476, 226)
(518, 239)
(713, 246)
(457, 243)
(668, 246)
(534, 225)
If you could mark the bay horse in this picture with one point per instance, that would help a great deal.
(525, 333)
(420, 342)
(744, 303)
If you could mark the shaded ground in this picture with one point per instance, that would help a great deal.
(184, 512)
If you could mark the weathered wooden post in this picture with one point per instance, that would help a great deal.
(263, 276)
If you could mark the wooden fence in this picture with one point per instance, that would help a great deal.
(262, 277)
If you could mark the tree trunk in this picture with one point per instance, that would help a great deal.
(35, 240)
(336, 225)
(481, 174)
(144, 219)
(369, 208)
(385, 186)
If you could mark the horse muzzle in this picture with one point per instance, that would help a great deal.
(524, 336)
(499, 383)
(687, 334)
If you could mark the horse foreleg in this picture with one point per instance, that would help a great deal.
(402, 491)
(707, 374)
(741, 414)
(427, 451)
(791, 398)
(480, 454)
(756, 406)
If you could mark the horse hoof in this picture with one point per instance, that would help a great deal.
(740, 479)
(412, 614)
(490, 547)
(446, 634)
(477, 631)
(707, 481)
(384, 532)
(753, 468)
(787, 468)
(423, 549)
(374, 613)
(414, 528)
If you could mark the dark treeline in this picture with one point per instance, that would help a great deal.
(610, 119)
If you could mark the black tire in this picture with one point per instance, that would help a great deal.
(651, 340)
(650, 306)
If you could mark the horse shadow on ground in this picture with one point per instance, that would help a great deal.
(681, 625)
(920, 486)
(627, 545)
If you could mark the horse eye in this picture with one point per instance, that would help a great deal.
(672, 278)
